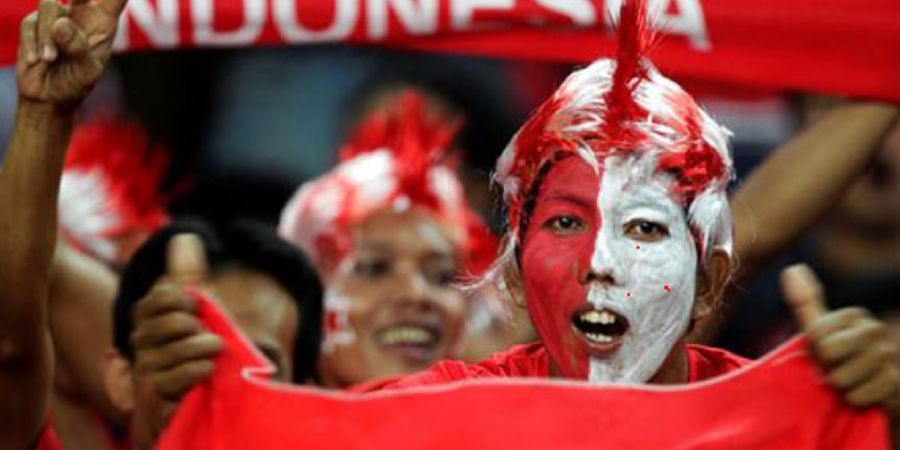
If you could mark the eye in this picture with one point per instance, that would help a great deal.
(441, 276)
(372, 268)
(646, 231)
(564, 225)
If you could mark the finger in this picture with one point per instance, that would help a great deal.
(48, 12)
(172, 384)
(803, 293)
(186, 259)
(70, 40)
(878, 391)
(28, 39)
(162, 299)
(165, 328)
(199, 346)
(861, 367)
(836, 321)
(846, 343)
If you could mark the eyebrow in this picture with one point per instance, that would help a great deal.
(570, 198)
(375, 247)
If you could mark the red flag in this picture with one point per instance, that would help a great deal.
(777, 403)
(832, 46)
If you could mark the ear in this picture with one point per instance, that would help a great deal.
(512, 281)
(711, 282)
(118, 380)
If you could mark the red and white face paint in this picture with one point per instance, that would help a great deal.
(636, 198)
(609, 268)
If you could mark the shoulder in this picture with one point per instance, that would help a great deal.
(709, 362)
(528, 360)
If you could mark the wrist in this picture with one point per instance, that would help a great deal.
(33, 114)
(43, 108)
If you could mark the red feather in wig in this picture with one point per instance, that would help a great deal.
(416, 139)
(635, 38)
(131, 169)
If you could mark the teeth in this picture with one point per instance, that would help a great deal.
(597, 337)
(601, 317)
(406, 335)
(592, 317)
(607, 318)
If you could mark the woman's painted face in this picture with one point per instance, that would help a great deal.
(390, 306)
(609, 268)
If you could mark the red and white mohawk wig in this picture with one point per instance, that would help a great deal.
(392, 160)
(624, 106)
(110, 188)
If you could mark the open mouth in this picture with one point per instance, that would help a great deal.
(602, 329)
(415, 343)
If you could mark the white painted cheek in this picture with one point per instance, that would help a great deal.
(654, 283)
(337, 329)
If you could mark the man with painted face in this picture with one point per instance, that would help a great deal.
(620, 238)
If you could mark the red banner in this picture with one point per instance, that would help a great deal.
(781, 402)
(845, 47)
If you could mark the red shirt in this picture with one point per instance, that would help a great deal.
(532, 361)
(780, 402)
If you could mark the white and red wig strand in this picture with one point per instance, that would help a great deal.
(625, 106)
(393, 160)
(110, 187)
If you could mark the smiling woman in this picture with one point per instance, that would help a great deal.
(389, 231)
(402, 311)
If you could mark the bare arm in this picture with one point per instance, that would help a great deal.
(62, 53)
(803, 179)
(28, 183)
(81, 295)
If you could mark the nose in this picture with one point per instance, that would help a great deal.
(598, 264)
(414, 284)
(602, 275)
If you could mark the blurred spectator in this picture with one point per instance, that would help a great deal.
(854, 251)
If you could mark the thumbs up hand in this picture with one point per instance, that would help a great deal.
(853, 349)
(172, 350)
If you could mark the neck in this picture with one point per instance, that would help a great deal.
(674, 369)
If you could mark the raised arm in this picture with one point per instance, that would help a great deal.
(62, 53)
(796, 186)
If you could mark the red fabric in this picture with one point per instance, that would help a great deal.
(833, 46)
(780, 402)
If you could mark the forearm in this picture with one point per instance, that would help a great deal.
(804, 178)
(28, 183)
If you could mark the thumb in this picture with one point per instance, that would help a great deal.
(803, 293)
(186, 259)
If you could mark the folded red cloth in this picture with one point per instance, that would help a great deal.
(778, 402)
